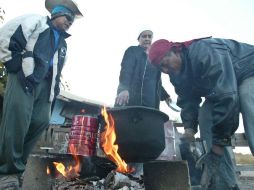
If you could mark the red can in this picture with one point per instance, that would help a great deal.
(83, 150)
(88, 142)
(83, 135)
(85, 120)
(83, 128)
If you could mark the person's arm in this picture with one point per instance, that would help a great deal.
(189, 113)
(218, 74)
(127, 69)
(14, 38)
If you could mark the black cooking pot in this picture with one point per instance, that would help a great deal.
(139, 132)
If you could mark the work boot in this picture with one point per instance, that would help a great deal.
(9, 182)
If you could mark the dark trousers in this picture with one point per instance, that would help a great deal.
(246, 94)
(24, 118)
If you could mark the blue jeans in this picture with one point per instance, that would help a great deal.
(227, 168)
(246, 94)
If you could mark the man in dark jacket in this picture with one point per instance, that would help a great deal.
(33, 50)
(222, 71)
(139, 81)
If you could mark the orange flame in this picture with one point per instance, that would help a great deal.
(73, 151)
(48, 170)
(60, 168)
(108, 138)
(70, 170)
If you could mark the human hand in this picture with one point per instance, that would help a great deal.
(210, 162)
(168, 100)
(188, 135)
(27, 83)
(123, 98)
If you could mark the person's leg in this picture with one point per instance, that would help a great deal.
(17, 111)
(228, 172)
(246, 94)
(40, 118)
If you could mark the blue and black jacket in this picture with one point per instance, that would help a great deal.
(27, 48)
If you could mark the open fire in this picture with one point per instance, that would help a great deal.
(70, 171)
(108, 138)
(107, 141)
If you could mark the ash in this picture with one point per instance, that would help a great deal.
(113, 181)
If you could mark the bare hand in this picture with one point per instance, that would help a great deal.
(122, 98)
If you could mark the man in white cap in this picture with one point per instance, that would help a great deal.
(33, 50)
(139, 81)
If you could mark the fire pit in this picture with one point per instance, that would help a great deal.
(136, 133)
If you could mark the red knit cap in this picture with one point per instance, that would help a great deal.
(158, 50)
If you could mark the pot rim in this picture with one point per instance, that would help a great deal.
(139, 108)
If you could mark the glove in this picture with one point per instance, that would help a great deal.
(188, 135)
(211, 164)
(28, 83)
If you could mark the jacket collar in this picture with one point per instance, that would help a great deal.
(62, 33)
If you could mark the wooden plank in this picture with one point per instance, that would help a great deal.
(59, 140)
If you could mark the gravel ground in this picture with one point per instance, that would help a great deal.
(246, 180)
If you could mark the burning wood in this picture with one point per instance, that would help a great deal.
(72, 170)
(69, 173)
(71, 176)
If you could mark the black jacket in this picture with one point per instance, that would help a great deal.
(141, 79)
(213, 68)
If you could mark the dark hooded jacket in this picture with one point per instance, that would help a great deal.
(141, 79)
(213, 68)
